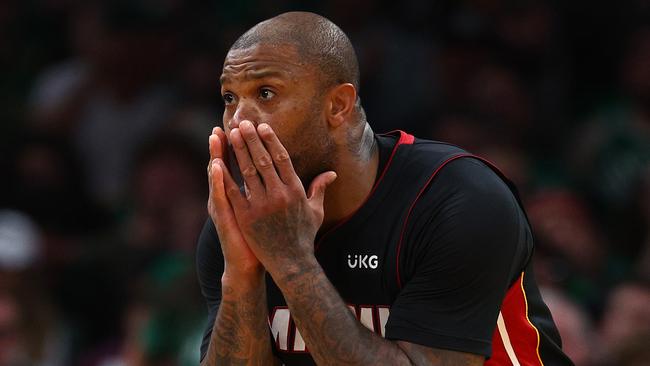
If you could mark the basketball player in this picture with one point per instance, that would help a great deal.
(347, 247)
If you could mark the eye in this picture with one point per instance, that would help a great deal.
(266, 94)
(228, 98)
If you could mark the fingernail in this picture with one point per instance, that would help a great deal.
(246, 125)
(264, 127)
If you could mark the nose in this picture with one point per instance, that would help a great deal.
(246, 111)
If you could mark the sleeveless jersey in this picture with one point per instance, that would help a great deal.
(438, 255)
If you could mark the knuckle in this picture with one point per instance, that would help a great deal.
(249, 171)
(264, 161)
(251, 137)
(282, 157)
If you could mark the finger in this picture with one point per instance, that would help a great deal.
(218, 142)
(223, 139)
(279, 155)
(246, 166)
(217, 193)
(260, 156)
(316, 193)
(221, 211)
(237, 200)
(215, 147)
(209, 185)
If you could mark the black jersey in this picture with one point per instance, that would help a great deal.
(438, 255)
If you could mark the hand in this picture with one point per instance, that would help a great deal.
(238, 257)
(277, 218)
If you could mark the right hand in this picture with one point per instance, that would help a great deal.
(239, 259)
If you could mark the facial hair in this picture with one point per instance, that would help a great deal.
(314, 151)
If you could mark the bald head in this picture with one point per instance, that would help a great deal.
(318, 41)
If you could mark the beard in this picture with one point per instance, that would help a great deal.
(312, 149)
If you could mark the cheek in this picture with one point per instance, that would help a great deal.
(288, 126)
(300, 129)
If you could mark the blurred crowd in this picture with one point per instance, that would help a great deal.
(106, 107)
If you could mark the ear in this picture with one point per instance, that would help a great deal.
(342, 99)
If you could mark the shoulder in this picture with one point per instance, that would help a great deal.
(442, 172)
(407, 148)
(471, 178)
(413, 162)
(468, 192)
(433, 152)
(467, 208)
(448, 168)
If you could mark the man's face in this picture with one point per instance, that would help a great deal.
(269, 84)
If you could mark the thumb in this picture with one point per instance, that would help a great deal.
(318, 185)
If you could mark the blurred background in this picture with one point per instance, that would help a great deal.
(107, 105)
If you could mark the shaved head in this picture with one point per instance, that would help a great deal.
(318, 41)
(298, 73)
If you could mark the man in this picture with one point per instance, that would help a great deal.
(350, 248)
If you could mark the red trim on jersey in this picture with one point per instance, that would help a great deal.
(401, 238)
(499, 355)
(490, 165)
(404, 139)
(408, 215)
(523, 335)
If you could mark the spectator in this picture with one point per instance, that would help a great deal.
(109, 96)
(626, 320)
(579, 339)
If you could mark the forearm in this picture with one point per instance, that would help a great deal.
(240, 335)
(331, 332)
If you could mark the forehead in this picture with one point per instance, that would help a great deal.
(262, 60)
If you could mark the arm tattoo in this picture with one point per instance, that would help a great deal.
(335, 337)
(240, 335)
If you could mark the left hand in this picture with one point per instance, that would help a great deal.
(278, 219)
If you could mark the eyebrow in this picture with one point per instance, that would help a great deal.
(255, 75)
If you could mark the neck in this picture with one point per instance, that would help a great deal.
(356, 170)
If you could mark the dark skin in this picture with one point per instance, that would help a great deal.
(269, 96)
